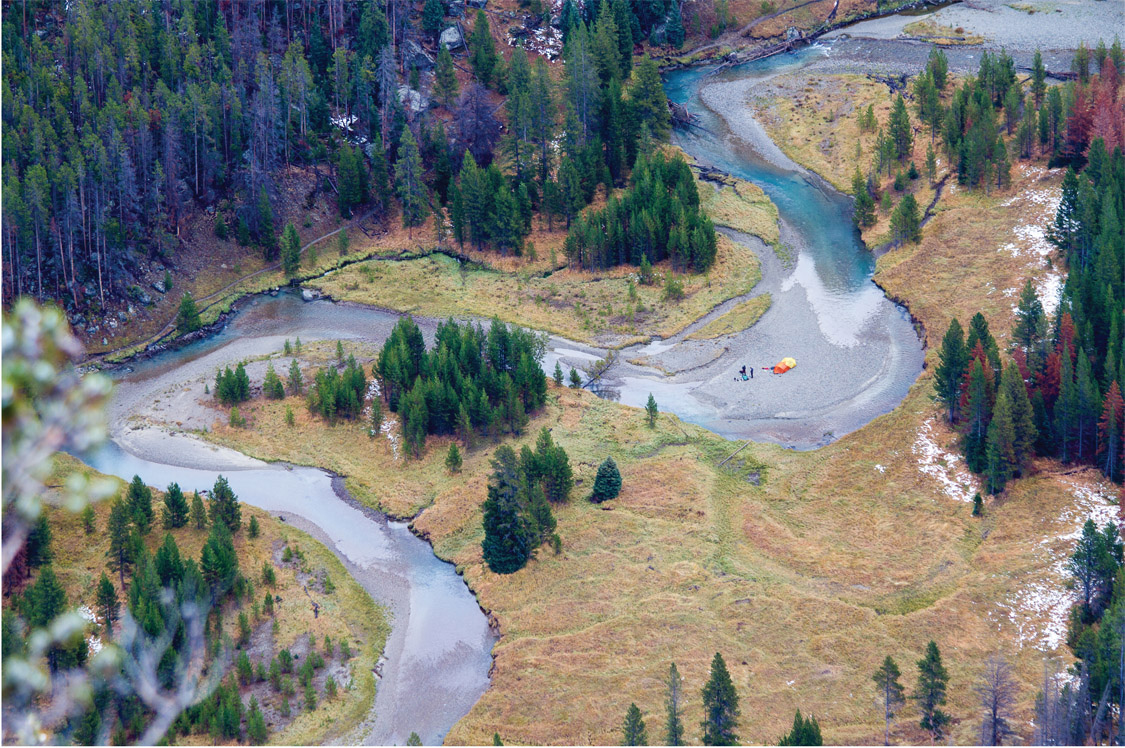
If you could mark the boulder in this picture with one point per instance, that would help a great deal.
(413, 101)
(413, 56)
(159, 287)
(451, 38)
(308, 294)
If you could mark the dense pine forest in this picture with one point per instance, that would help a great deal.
(123, 121)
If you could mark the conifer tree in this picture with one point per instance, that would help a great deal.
(977, 413)
(558, 375)
(272, 387)
(107, 604)
(633, 729)
(651, 411)
(119, 529)
(198, 512)
(453, 458)
(482, 49)
(607, 482)
(864, 211)
(175, 507)
(575, 379)
(905, 222)
(139, 498)
(432, 16)
(1038, 79)
(1000, 450)
(720, 706)
(446, 87)
(507, 541)
(899, 130)
(930, 693)
(1024, 432)
(411, 188)
(295, 382)
(673, 724)
(804, 732)
(187, 320)
(890, 692)
(674, 34)
(647, 98)
(950, 371)
(224, 506)
(290, 249)
(1110, 429)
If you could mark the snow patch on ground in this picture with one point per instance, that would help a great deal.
(93, 642)
(1040, 609)
(389, 426)
(944, 467)
(1039, 206)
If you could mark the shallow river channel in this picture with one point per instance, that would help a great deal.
(857, 357)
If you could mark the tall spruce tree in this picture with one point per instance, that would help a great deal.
(175, 507)
(411, 187)
(805, 731)
(890, 692)
(107, 603)
(224, 506)
(139, 498)
(290, 249)
(864, 210)
(633, 729)
(445, 78)
(507, 536)
(953, 359)
(930, 693)
(673, 706)
(1000, 449)
(119, 528)
(899, 129)
(720, 706)
(482, 49)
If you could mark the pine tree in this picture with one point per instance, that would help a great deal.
(1000, 450)
(107, 604)
(905, 223)
(267, 236)
(651, 411)
(950, 371)
(139, 498)
(175, 507)
(253, 530)
(864, 211)
(198, 512)
(633, 729)
(977, 412)
(1024, 432)
(575, 379)
(224, 506)
(432, 16)
(482, 49)
(296, 385)
(673, 724)
(445, 78)
(890, 692)
(674, 33)
(648, 100)
(272, 387)
(507, 541)
(290, 249)
(804, 732)
(187, 319)
(899, 130)
(411, 188)
(607, 482)
(119, 529)
(720, 706)
(1038, 79)
(558, 375)
(930, 693)
(1110, 428)
(46, 599)
(453, 458)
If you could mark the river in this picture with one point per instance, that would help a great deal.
(857, 357)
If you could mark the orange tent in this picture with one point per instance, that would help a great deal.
(784, 365)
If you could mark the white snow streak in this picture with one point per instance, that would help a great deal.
(956, 482)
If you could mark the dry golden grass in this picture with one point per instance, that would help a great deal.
(947, 36)
(583, 306)
(348, 613)
(804, 583)
(742, 206)
(736, 320)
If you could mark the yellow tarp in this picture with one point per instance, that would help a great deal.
(784, 365)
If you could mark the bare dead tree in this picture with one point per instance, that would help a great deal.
(997, 692)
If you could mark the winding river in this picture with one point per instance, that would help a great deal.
(857, 357)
